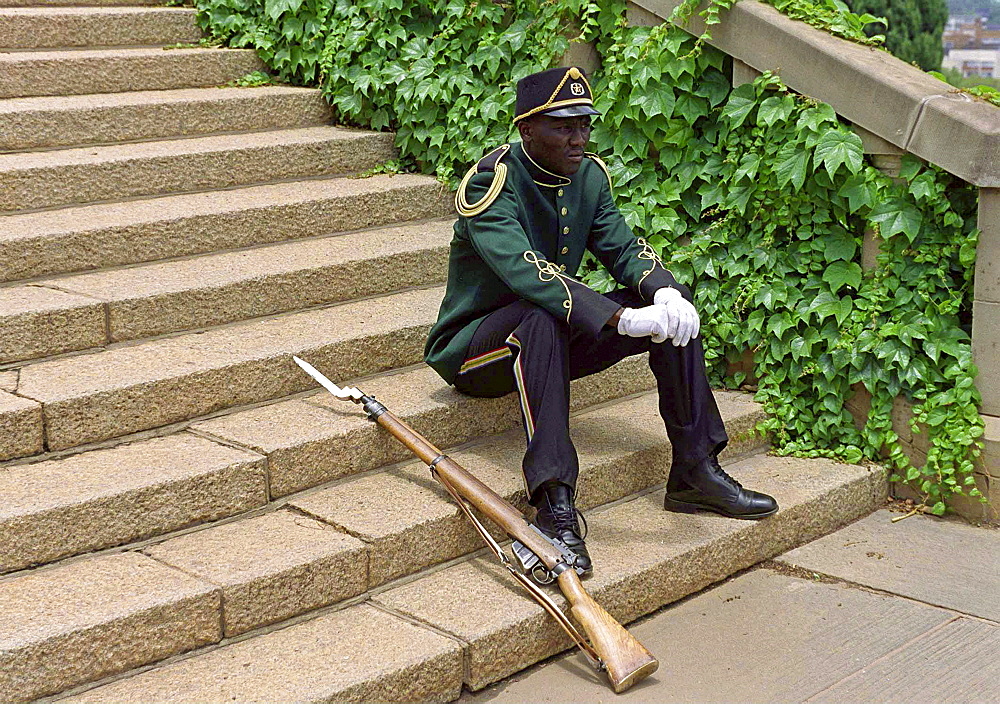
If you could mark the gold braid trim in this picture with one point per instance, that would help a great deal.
(547, 271)
(648, 253)
(574, 73)
(468, 209)
(604, 168)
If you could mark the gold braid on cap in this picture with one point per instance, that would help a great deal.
(469, 210)
(575, 74)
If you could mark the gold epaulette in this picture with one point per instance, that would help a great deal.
(604, 168)
(490, 162)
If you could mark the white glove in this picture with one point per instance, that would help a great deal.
(683, 322)
(640, 322)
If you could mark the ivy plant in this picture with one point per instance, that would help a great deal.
(759, 198)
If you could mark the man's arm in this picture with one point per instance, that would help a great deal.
(631, 261)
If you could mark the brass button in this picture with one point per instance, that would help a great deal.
(562, 267)
(566, 230)
(564, 250)
(564, 211)
(559, 192)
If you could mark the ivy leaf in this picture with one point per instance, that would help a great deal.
(814, 117)
(714, 86)
(775, 109)
(748, 166)
(839, 245)
(840, 274)
(838, 147)
(896, 216)
(741, 102)
(790, 165)
(858, 191)
(275, 8)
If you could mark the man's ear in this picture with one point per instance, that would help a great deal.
(524, 128)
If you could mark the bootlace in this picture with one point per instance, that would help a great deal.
(565, 518)
(717, 468)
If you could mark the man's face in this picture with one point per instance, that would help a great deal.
(556, 143)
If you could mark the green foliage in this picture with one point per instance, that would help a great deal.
(987, 89)
(254, 79)
(914, 28)
(759, 198)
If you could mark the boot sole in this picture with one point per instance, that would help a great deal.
(686, 507)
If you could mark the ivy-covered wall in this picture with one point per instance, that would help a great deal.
(756, 196)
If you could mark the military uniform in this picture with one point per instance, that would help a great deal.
(514, 316)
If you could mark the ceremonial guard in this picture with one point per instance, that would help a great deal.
(514, 316)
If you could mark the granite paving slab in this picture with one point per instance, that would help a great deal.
(945, 563)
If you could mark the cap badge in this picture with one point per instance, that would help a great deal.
(576, 88)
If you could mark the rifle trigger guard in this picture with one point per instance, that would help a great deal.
(533, 566)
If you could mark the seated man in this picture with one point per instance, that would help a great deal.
(514, 317)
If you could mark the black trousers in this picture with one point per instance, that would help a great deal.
(521, 346)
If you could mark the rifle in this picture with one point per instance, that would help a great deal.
(607, 645)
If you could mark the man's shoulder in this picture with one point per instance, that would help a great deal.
(489, 174)
(600, 174)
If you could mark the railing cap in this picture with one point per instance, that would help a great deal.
(871, 88)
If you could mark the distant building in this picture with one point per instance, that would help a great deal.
(970, 32)
(974, 62)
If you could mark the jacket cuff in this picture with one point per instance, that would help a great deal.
(656, 279)
(591, 310)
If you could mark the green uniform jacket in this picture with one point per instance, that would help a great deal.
(522, 233)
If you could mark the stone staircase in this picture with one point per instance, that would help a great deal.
(184, 517)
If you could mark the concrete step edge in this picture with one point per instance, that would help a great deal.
(78, 72)
(637, 573)
(98, 396)
(249, 560)
(115, 118)
(54, 316)
(33, 28)
(72, 177)
(304, 443)
(142, 230)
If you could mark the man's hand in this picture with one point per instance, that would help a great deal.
(640, 322)
(684, 323)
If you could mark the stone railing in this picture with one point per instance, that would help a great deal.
(895, 108)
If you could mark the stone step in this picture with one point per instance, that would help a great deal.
(359, 654)
(75, 3)
(58, 508)
(90, 310)
(60, 627)
(37, 321)
(645, 558)
(93, 397)
(21, 431)
(32, 123)
(281, 564)
(100, 236)
(103, 498)
(31, 180)
(80, 72)
(409, 522)
(319, 438)
(47, 27)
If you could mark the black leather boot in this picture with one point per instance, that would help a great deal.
(557, 518)
(705, 485)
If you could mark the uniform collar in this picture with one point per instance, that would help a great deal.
(539, 175)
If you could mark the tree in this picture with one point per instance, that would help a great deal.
(915, 28)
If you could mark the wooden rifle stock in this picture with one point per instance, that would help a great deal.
(627, 661)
